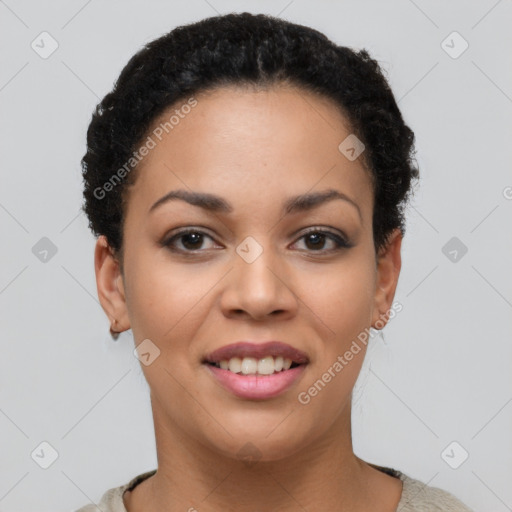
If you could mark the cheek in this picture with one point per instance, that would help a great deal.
(158, 293)
(345, 303)
(165, 306)
(344, 317)
(340, 299)
(168, 304)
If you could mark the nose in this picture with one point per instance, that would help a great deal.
(259, 289)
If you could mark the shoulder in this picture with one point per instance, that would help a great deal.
(419, 497)
(112, 499)
(416, 496)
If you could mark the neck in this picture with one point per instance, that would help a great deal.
(323, 475)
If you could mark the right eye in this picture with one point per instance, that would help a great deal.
(191, 240)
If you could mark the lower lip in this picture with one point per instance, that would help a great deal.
(257, 387)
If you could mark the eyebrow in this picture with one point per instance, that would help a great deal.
(214, 203)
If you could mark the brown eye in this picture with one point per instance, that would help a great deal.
(315, 240)
(191, 240)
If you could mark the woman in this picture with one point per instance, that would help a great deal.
(247, 180)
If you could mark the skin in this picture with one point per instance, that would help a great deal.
(255, 149)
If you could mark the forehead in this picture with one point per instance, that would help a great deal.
(250, 145)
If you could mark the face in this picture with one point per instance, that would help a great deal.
(251, 270)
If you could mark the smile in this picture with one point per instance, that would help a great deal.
(266, 365)
(255, 386)
(256, 371)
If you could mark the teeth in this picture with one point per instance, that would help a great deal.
(265, 365)
(235, 365)
(251, 366)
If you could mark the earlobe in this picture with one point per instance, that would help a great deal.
(109, 283)
(388, 271)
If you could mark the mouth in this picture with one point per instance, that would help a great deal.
(267, 365)
(256, 371)
(246, 358)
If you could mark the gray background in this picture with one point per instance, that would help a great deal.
(442, 372)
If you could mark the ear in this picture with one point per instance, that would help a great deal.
(389, 263)
(109, 282)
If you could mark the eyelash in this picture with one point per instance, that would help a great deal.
(340, 242)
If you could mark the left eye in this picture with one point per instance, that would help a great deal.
(318, 238)
(192, 240)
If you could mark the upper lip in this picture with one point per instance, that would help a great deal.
(243, 349)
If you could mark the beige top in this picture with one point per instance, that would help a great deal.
(416, 496)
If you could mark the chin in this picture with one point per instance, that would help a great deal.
(256, 444)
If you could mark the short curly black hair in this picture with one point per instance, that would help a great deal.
(245, 49)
